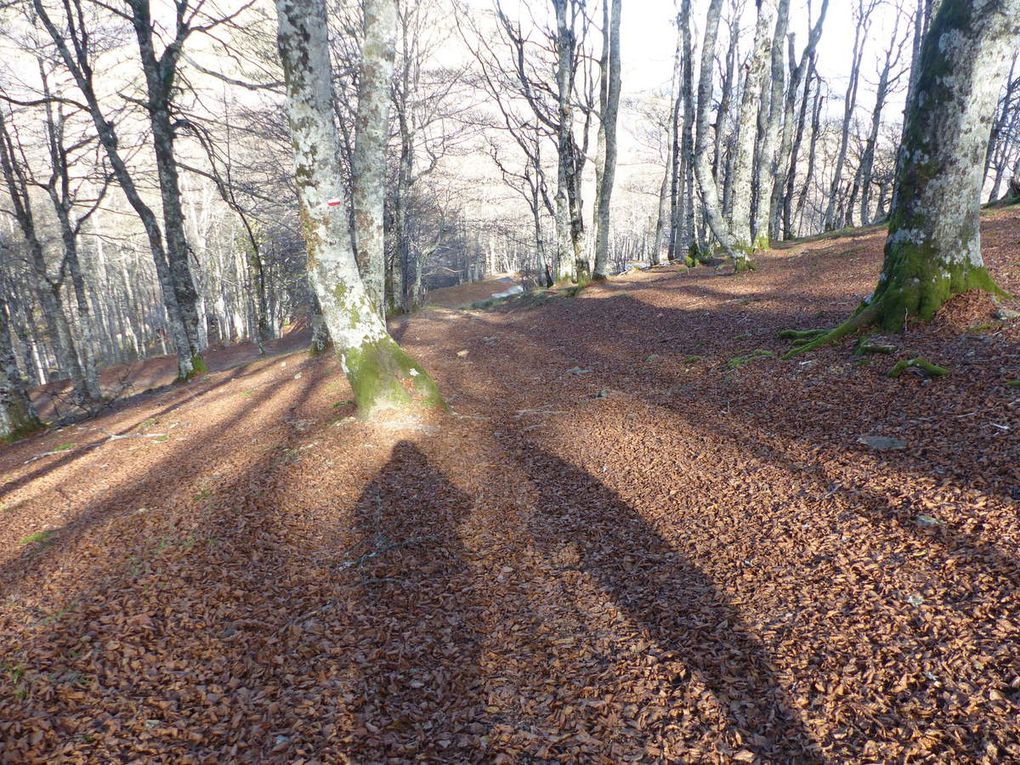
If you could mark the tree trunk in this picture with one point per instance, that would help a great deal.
(782, 190)
(58, 330)
(798, 138)
(368, 170)
(607, 137)
(863, 19)
(381, 374)
(674, 164)
(160, 74)
(868, 156)
(933, 250)
(569, 230)
(662, 220)
(934, 246)
(17, 415)
(750, 105)
(188, 361)
(768, 158)
(702, 157)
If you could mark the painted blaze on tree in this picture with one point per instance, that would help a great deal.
(382, 375)
(933, 250)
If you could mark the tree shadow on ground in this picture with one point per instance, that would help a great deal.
(678, 604)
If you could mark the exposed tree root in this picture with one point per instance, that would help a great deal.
(859, 320)
(802, 336)
(865, 346)
(931, 370)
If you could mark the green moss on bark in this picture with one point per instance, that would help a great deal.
(22, 430)
(198, 367)
(384, 377)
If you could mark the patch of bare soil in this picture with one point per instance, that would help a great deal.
(470, 292)
(636, 537)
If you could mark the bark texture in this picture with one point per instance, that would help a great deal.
(750, 105)
(606, 166)
(17, 415)
(767, 161)
(382, 375)
(933, 250)
(702, 157)
(368, 166)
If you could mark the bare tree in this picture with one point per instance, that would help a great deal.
(933, 250)
(368, 165)
(751, 105)
(605, 166)
(702, 157)
(75, 46)
(382, 375)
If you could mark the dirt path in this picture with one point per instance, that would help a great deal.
(628, 542)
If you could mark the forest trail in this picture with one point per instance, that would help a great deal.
(636, 537)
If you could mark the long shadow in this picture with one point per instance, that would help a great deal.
(185, 458)
(675, 601)
(420, 688)
(188, 395)
(140, 602)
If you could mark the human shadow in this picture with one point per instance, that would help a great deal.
(419, 620)
(679, 605)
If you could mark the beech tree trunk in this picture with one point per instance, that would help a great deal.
(569, 230)
(933, 250)
(368, 165)
(702, 156)
(72, 43)
(606, 166)
(160, 75)
(782, 189)
(381, 374)
(864, 172)
(750, 105)
(767, 161)
(17, 415)
(863, 22)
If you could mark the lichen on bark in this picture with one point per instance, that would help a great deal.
(382, 375)
(933, 249)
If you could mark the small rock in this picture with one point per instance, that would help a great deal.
(915, 600)
(604, 393)
(463, 353)
(882, 443)
(578, 371)
(1007, 314)
(652, 358)
(927, 520)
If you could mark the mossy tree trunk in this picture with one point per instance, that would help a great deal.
(17, 415)
(933, 249)
(382, 375)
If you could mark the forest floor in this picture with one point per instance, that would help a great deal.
(638, 536)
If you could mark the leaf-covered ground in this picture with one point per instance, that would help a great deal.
(638, 536)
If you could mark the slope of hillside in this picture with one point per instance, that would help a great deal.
(638, 536)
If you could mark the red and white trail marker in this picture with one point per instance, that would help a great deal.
(334, 202)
